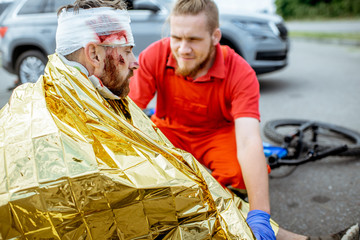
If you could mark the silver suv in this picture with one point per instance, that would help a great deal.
(27, 33)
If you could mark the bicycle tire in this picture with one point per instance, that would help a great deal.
(340, 135)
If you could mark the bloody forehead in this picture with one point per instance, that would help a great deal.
(113, 37)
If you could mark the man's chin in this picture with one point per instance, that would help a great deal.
(186, 72)
(122, 93)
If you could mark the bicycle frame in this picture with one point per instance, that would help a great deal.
(278, 156)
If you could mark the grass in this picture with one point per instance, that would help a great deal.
(321, 35)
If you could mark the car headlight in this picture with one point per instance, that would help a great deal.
(257, 29)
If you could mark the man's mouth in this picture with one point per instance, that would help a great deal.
(187, 58)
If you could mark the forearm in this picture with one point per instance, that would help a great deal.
(253, 163)
(254, 170)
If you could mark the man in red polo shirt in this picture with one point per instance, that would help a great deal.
(208, 105)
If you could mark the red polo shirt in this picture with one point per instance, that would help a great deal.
(228, 91)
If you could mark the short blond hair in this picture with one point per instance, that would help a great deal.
(195, 7)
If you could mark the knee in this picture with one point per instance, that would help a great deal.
(229, 176)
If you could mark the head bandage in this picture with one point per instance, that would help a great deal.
(104, 26)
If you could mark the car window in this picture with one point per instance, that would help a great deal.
(43, 6)
(33, 7)
(54, 5)
(60, 3)
(3, 6)
(49, 6)
(143, 5)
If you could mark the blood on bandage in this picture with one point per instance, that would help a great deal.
(111, 38)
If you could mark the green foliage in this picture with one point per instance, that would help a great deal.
(297, 9)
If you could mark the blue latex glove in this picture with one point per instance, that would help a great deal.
(259, 222)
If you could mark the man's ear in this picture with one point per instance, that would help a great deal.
(93, 54)
(216, 36)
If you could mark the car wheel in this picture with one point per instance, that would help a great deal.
(30, 65)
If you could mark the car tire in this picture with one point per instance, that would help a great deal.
(30, 65)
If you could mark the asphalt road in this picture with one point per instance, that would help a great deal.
(321, 83)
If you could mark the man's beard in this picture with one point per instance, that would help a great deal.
(112, 78)
(123, 90)
(193, 71)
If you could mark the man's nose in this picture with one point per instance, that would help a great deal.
(184, 47)
(133, 63)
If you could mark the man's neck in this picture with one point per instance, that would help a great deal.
(74, 64)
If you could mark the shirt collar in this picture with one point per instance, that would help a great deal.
(217, 70)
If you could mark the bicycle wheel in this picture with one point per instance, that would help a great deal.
(329, 135)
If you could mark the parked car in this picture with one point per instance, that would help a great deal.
(28, 27)
(27, 31)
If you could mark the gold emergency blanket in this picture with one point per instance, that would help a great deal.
(75, 166)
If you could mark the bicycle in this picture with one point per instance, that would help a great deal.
(303, 141)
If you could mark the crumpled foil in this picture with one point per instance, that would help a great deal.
(75, 166)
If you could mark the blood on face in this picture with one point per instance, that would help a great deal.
(112, 78)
